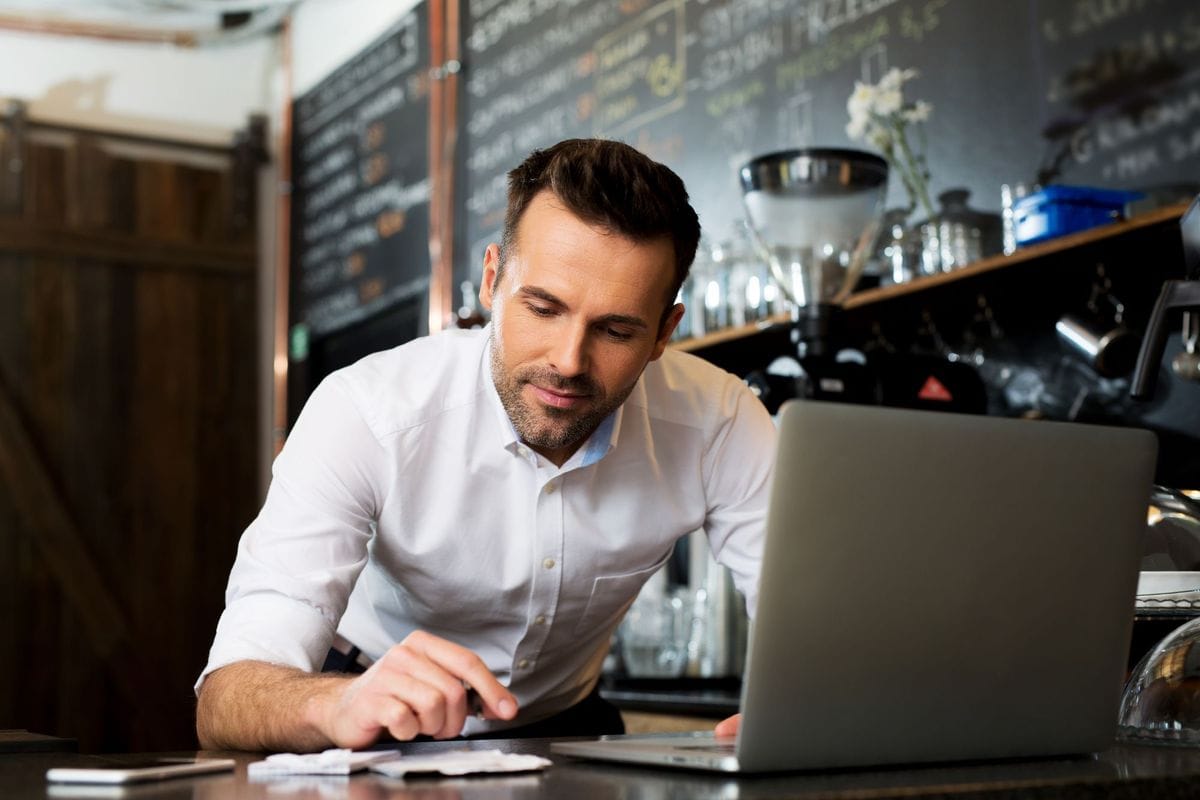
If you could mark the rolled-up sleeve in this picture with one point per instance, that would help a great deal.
(298, 560)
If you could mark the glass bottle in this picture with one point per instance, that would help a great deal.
(469, 315)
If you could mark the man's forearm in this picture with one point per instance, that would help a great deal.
(252, 705)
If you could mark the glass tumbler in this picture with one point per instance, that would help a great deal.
(654, 636)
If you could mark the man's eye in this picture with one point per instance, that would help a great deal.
(541, 311)
(619, 335)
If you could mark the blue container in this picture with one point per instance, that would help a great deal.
(1059, 210)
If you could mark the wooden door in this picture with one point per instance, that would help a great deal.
(128, 389)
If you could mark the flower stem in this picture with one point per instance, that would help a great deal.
(912, 173)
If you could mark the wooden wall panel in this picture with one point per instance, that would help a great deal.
(131, 383)
(121, 205)
(11, 188)
(46, 183)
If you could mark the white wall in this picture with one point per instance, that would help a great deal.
(198, 94)
(328, 33)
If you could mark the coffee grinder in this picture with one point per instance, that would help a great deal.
(813, 215)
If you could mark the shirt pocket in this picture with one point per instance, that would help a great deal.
(612, 595)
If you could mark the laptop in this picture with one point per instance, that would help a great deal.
(935, 587)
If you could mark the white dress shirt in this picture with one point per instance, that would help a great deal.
(404, 500)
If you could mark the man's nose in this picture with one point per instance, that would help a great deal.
(568, 351)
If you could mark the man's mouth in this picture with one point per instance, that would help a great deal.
(557, 398)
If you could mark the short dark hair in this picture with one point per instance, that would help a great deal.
(612, 185)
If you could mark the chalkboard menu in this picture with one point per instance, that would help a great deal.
(1076, 91)
(361, 188)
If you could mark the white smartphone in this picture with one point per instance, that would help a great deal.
(134, 772)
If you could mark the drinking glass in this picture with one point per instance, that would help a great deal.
(654, 636)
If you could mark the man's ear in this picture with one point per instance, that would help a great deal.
(491, 266)
(665, 330)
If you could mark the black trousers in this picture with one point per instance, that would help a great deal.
(591, 716)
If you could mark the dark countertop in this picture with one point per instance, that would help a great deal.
(1122, 772)
(19, 740)
(715, 698)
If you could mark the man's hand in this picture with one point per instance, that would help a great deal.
(728, 727)
(418, 687)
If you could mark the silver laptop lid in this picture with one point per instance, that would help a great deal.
(940, 586)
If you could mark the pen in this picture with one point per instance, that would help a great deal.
(474, 701)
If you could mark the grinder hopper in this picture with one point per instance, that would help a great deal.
(813, 215)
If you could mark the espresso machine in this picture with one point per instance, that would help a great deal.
(1161, 701)
(813, 215)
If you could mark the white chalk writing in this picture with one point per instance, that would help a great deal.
(533, 91)
(488, 30)
(817, 19)
(330, 193)
(392, 195)
(732, 62)
(361, 78)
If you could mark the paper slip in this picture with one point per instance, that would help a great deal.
(330, 762)
(460, 762)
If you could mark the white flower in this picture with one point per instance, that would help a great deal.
(861, 100)
(919, 112)
(895, 78)
(880, 116)
(888, 102)
(856, 128)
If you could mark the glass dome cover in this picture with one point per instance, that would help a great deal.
(1161, 701)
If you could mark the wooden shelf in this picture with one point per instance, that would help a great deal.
(730, 334)
(991, 264)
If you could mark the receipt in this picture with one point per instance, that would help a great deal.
(330, 762)
(460, 762)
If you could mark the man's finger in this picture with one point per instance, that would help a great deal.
(498, 702)
(400, 720)
(729, 726)
(384, 713)
(428, 703)
(422, 684)
(492, 700)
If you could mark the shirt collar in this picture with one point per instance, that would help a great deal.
(602, 440)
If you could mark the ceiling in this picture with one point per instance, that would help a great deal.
(181, 22)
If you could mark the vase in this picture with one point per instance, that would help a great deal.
(898, 249)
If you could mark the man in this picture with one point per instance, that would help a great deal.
(475, 511)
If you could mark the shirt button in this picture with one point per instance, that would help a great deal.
(548, 563)
(540, 619)
(523, 663)
(550, 487)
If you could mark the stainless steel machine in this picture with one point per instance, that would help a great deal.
(814, 215)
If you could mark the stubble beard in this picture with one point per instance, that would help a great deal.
(545, 427)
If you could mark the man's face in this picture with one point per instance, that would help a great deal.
(576, 318)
